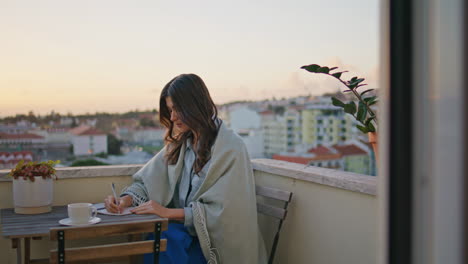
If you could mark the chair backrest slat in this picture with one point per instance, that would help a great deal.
(276, 212)
(72, 233)
(281, 195)
(108, 251)
(271, 211)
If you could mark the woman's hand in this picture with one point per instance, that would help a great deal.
(118, 206)
(151, 207)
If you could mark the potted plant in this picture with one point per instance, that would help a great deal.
(33, 186)
(361, 111)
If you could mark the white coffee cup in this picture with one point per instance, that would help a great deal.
(81, 213)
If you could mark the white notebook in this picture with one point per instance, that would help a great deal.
(125, 212)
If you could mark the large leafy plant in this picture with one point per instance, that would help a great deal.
(361, 111)
(31, 169)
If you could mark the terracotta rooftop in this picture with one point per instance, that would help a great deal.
(349, 150)
(320, 150)
(323, 153)
(86, 131)
(294, 159)
(16, 153)
(15, 157)
(90, 132)
(20, 136)
(79, 129)
(266, 112)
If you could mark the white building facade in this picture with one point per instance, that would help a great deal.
(274, 133)
(148, 135)
(243, 117)
(88, 141)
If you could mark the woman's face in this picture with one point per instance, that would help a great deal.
(179, 126)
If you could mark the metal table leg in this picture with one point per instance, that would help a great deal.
(27, 250)
(16, 244)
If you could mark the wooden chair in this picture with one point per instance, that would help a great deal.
(108, 251)
(276, 212)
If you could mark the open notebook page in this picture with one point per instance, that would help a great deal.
(125, 212)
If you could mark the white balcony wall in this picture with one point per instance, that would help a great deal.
(331, 218)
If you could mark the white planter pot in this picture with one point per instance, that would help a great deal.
(33, 197)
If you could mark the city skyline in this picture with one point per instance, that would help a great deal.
(113, 56)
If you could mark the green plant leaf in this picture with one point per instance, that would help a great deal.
(368, 100)
(333, 68)
(311, 67)
(372, 103)
(350, 108)
(362, 112)
(366, 91)
(338, 74)
(323, 70)
(337, 102)
(356, 81)
(369, 120)
(370, 127)
(362, 128)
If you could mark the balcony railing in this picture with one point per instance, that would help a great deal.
(331, 219)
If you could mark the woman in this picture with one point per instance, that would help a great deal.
(202, 177)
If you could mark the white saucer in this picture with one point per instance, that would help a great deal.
(67, 221)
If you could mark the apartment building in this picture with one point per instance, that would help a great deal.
(326, 125)
(351, 156)
(88, 140)
(274, 129)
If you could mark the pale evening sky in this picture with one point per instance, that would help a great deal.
(115, 56)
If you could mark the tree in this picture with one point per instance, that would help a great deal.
(146, 122)
(73, 124)
(113, 145)
(32, 117)
(87, 162)
(279, 110)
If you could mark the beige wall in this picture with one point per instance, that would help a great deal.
(324, 225)
(331, 219)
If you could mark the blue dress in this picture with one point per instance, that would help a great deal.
(182, 242)
(182, 248)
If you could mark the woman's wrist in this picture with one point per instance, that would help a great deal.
(127, 200)
(177, 214)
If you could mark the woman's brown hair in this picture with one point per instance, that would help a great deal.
(195, 108)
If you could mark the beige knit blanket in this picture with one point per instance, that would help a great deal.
(224, 208)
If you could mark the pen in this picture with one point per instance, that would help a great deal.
(115, 196)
